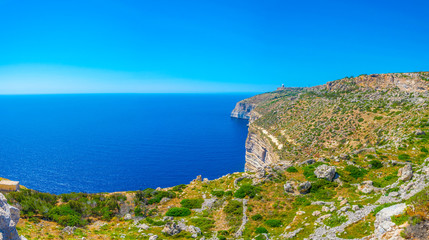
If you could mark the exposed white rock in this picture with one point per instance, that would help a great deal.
(405, 173)
(9, 217)
(383, 222)
(325, 171)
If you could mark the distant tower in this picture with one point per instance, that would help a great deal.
(281, 88)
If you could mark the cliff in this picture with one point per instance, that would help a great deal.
(296, 124)
(344, 160)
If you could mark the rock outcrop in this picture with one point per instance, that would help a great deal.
(9, 217)
(383, 222)
(405, 173)
(243, 110)
(259, 152)
(326, 172)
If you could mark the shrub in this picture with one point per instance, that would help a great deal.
(404, 157)
(218, 193)
(205, 224)
(423, 149)
(179, 188)
(152, 196)
(273, 223)
(246, 190)
(292, 169)
(233, 207)
(178, 212)
(375, 164)
(360, 120)
(335, 220)
(257, 217)
(261, 230)
(301, 201)
(155, 223)
(192, 203)
(355, 171)
(399, 219)
(138, 212)
(66, 216)
(378, 117)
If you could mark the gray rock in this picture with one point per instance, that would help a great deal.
(165, 199)
(344, 156)
(288, 187)
(153, 237)
(69, 230)
(128, 216)
(325, 171)
(208, 203)
(143, 226)
(419, 132)
(383, 222)
(195, 231)
(304, 187)
(9, 217)
(405, 173)
(171, 228)
(307, 162)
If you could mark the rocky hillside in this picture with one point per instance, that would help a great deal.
(344, 160)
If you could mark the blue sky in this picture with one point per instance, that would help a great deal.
(204, 46)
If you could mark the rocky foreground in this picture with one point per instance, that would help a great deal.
(344, 160)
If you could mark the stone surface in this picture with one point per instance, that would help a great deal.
(325, 171)
(9, 217)
(288, 187)
(171, 228)
(153, 237)
(383, 222)
(405, 173)
(304, 187)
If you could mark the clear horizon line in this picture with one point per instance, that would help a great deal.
(89, 93)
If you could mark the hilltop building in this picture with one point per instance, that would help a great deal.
(9, 186)
(281, 88)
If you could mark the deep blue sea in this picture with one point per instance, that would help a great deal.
(118, 142)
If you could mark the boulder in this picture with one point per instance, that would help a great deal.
(171, 228)
(304, 187)
(69, 230)
(307, 162)
(153, 237)
(405, 173)
(288, 187)
(195, 231)
(325, 171)
(366, 187)
(344, 156)
(9, 217)
(419, 132)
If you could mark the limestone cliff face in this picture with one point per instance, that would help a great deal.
(9, 217)
(243, 110)
(259, 152)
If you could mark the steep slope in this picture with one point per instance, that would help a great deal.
(344, 160)
(334, 118)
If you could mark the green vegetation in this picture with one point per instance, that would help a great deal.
(261, 230)
(192, 203)
(274, 223)
(246, 190)
(335, 220)
(178, 212)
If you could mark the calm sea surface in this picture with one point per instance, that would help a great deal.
(116, 142)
